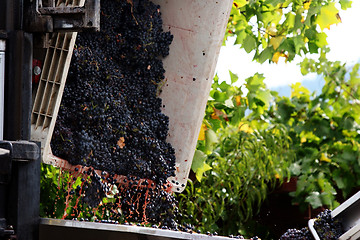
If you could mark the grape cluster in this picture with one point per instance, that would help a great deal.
(296, 234)
(110, 116)
(326, 227)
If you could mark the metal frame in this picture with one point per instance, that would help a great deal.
(20, 159)
(2, 85)
(72, 230)
(64, 15)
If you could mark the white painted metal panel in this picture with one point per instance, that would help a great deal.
(198, 27)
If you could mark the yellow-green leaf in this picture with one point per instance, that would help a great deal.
(297, 90)
(321, 40)
(307, 5)
(324, 158)
(276, 41)
(328, 16)
(245, 127)
(202, 132)
(277, 55)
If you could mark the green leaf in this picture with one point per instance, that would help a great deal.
(238, 115)
(210, 137)
(220, 96)
(326, 198)
(265, 55)
(198, 165)
(345, 4)
(314, 199)
(249, 43)
(290, 20)
(265, 97)
(299, 43)
(241, 35)
(321, 40)
(287, 45)
(298, 24)
(233, 77)
(274, 2)
(229, 103)
(210, 140)
(311, 34)
(295, 169)
(313, 48)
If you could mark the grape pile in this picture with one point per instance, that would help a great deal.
(326, 227)
(110, 116)
(296, 234)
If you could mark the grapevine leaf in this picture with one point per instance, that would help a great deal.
(307, 5)
(328, 16)
(244, 127)
(198, 165)
(299, 43)
(277, 56)
(210, 140)
(345, 4)
(241, 35)
(321, 39)
(314, 199)
(265, 55)
(233, 77)
(276, 41)
(326, 198)
(202, 132)
(249, 43)
(265, 96)
(295, 169)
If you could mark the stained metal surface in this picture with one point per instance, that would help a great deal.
(198, 27)
(68, 229)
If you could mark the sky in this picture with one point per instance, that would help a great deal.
(343, 40)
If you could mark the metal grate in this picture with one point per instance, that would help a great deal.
(51, 86)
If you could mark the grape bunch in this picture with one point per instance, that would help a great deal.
(296, 234)
(110, 116)
(326, 227)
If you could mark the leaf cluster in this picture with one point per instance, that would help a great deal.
(238, 161)
(325, 132)
(250, 142)
(282, 28)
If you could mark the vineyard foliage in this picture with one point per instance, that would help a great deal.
(252, 138)
(270, 29)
